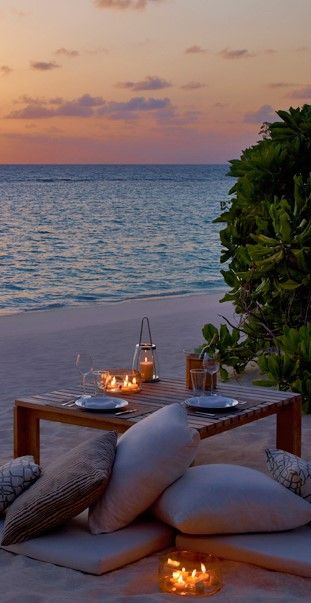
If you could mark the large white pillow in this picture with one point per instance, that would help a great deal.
(150, 456)
(291, 471)
(230, 499)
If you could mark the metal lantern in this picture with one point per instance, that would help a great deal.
(145, 356)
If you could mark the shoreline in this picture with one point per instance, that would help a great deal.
(4, 312)
(104, 312)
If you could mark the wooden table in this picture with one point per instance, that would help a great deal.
(256, 403)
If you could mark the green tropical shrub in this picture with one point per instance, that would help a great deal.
(266, 249)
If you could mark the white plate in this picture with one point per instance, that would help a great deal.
(100, 403)
(211, 402)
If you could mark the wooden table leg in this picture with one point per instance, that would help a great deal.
(288, 427)
(26, 433)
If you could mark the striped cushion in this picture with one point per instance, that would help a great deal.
(65, 488)
(15, 477)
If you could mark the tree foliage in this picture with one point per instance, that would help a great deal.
(266, 250)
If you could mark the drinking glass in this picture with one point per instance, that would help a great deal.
(84, 364)
(210, 363)
(198, 378)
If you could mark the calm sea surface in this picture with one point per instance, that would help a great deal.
(86, 233)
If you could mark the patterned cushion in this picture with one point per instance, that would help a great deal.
(65, 489)
(15, 477)
(291, 471)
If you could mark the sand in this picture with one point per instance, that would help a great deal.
(37, 354)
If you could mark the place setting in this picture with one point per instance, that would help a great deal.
(205, 401)
(102, 388)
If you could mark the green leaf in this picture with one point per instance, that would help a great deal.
(290, 285)
(264, 382)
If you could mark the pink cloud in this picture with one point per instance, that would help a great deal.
(193, 86)
(87, 106)
(280, 85)
(43, 65)
(239, 53)
(170, 117)
(5, 70)
(195, 49)
(301, 93)
(264, 113)
(124, 110)
(149, 83)
(66, 52)
(125, 4)
(96, 51)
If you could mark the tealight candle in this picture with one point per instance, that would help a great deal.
(189, 573)
(120, 381)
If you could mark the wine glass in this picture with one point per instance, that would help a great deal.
(85, 366)
(210, 363)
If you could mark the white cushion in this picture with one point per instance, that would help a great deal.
(150, 456)
(281, 551)
(230, 499)
(291, 471)
(73, 546)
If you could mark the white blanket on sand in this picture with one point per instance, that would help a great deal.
(26, 581)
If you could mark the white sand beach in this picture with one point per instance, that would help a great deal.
(37, 354)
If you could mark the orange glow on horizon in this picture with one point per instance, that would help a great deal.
(170, 82)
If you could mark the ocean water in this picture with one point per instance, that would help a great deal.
(78, 234)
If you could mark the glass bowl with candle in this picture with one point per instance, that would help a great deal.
(187, 573)
(119, 381)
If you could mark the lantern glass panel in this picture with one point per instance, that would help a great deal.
(145, 361)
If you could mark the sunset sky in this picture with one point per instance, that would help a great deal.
(147, 81)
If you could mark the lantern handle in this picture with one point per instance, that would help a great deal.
(142, 327)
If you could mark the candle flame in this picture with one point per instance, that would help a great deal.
(194, 573)
(173, 562)
(134, 380)
(203, 568)
(146, 359)
(113, 381)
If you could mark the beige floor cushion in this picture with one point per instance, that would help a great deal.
(149, 457)
(288, 552)
(75, 547)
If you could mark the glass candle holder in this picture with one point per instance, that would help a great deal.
(145, 362)
(187, 573)
(145, 357)
(119, 381)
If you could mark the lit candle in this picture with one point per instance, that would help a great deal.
(186, 574)
(125, 382)
(146, 369)
(113, 386)
(188, 581)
